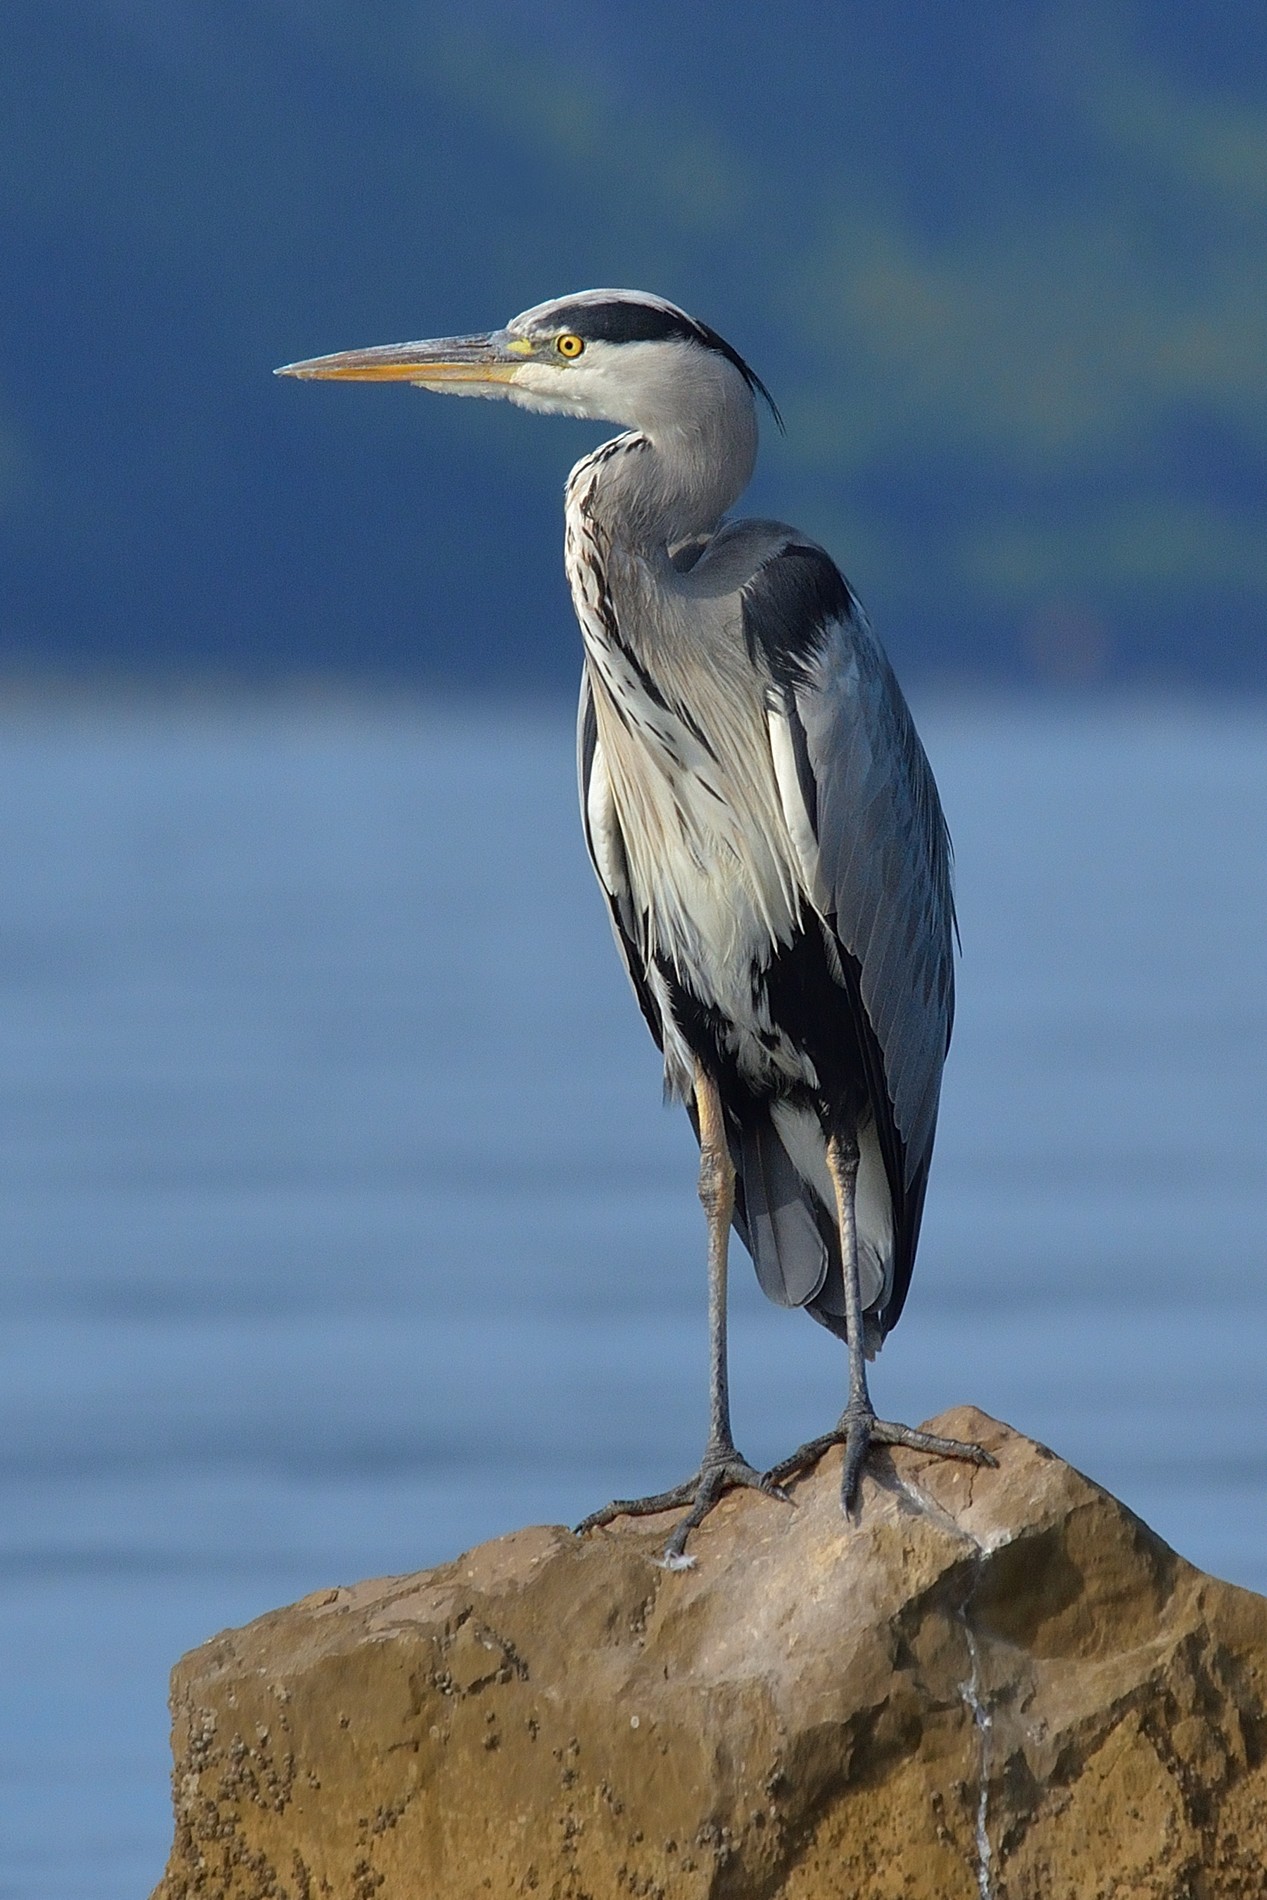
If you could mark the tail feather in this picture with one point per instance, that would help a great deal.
(779, 1225)
(784, 1220)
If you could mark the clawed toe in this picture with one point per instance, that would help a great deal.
(637, 1507)
(800, 1461)
(883, 1433)
(857, 1431)
(724, 1470)
(719, 1473)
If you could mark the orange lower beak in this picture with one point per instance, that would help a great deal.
(451, 359)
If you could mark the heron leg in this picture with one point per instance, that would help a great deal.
(717, 1198)
(858, 1427)
(858, 1418)
(722, 1468)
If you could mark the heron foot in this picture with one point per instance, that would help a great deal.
(857, 1431)
(722, 1470)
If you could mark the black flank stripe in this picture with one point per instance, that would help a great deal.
(693, 727)
(804, 770)
(644, 678)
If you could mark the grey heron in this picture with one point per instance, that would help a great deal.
(764, 826)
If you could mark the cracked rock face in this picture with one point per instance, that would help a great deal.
(998, 1684)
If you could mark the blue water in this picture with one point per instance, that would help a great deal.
(344, 1227)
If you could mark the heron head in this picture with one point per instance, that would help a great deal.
(619, 356)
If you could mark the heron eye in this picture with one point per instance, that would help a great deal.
(569, 346)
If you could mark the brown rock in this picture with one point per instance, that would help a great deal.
(999, 1683)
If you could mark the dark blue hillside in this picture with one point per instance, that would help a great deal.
(1009, 286)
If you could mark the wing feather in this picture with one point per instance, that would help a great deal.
(853, 776)
(606, 847)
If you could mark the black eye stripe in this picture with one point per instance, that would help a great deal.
(627, 321)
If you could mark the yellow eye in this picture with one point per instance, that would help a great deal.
(569, 346)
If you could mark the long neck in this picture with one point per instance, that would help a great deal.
(674, 476)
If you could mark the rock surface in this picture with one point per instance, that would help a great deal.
(998, 1685)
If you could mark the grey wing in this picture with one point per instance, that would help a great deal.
(864, 814)
(607, 853)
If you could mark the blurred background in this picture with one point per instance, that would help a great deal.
(1006, 275)
(342, 1224)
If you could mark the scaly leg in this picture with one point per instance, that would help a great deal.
(721, 1469)
(859, 1428)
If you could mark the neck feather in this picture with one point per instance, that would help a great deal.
(671, 479)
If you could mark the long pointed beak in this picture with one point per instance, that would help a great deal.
(492, 358)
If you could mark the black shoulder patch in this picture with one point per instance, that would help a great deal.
(629, 320)
(788, 606)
